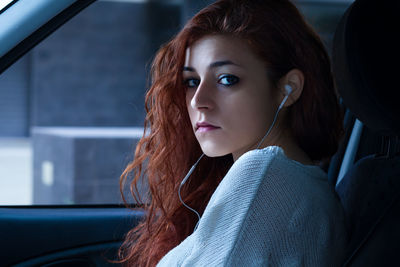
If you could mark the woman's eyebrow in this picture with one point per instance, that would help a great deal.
(215, 64)
(189, 69)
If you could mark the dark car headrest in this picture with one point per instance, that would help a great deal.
(366, 63)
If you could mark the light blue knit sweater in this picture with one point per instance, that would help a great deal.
(268, 210)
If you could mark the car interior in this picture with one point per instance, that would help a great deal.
(365, 170)
(363, 60)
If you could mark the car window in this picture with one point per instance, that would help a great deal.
(71, 109)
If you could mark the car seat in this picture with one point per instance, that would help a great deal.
(365, 57)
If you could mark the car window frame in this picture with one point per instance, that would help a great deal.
(41, 33)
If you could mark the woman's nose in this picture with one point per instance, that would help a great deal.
(203, 97)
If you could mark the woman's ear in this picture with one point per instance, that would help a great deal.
(295, 79)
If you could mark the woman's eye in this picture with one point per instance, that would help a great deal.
(191, 83)
(228, 80)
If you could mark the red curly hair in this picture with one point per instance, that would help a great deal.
(278, 34)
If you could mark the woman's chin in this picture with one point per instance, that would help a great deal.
(213, 152)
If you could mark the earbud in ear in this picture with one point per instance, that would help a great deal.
(288, 89)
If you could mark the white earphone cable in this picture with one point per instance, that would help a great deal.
(183, 182)
(273, 122)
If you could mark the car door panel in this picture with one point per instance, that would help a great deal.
(53, 233)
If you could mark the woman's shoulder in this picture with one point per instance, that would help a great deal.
(307, 181)
(269, 169)
(272, 160)
(268, 175)
(296, 201)
(272, 203)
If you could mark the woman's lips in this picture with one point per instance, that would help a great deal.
(205, 127)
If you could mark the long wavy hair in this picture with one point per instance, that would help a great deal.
(278, 34)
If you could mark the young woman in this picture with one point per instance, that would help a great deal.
(248, 84)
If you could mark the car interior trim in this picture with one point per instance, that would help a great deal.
(21, 37)
(22, 19)
(351, 150)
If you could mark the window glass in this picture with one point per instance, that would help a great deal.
(72, 109)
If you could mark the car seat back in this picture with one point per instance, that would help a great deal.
(365, 57)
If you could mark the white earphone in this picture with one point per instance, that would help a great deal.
(288, 91)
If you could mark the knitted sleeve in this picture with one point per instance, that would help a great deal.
(267, 211)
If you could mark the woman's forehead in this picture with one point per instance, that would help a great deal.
(220, 48)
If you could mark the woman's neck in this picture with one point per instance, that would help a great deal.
(285, 140)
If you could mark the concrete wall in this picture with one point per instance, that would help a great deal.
(92, 71)
(14, 99)
(80, 165)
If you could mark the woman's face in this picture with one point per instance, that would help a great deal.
(229, 98)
